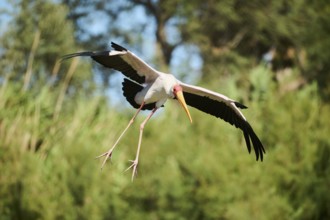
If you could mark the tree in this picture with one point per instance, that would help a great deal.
(37, 37)
(47, 170)
(232, 36)
(158, 12)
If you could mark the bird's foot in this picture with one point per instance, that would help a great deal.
(134, 166)
(107, 156)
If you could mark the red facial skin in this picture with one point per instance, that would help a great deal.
(176, 89)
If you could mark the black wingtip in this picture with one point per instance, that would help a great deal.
(117, 47)
(240, 105)
(79, 54)
(250, 135)
(91, 54)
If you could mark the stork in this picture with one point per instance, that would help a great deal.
(148, 89)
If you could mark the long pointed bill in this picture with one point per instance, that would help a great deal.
(179, 96)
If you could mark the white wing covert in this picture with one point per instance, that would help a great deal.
(122, 60)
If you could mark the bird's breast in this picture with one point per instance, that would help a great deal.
(152, 93)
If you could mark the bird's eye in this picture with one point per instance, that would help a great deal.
(176, 89)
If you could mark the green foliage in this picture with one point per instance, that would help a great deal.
(37, 37)
(50, 134)
(187, 171)
(231, 35)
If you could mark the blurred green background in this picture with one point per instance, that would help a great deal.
(273, 56)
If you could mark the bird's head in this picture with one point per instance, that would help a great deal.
(177, 91)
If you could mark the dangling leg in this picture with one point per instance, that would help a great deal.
(109, 153)
(136, 161)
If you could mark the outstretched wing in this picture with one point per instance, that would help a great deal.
(122, 60)
(225, 108)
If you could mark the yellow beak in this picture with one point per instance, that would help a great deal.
(179, 96)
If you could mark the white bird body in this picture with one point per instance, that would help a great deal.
(158, 91)
(148, 89)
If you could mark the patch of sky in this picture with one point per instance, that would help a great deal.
(6, 9)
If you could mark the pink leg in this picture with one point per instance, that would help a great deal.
(136, 161)
(109, 153)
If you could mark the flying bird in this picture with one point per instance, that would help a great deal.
(148, 89)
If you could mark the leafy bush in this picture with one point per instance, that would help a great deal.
(187, 171)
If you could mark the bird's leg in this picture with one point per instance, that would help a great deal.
(136, 161)
(108, 154)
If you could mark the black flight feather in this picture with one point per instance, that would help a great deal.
(117, 63)
(117, 47)
(223, 111)
(130, 89)
(240, 105)
(111, 61)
